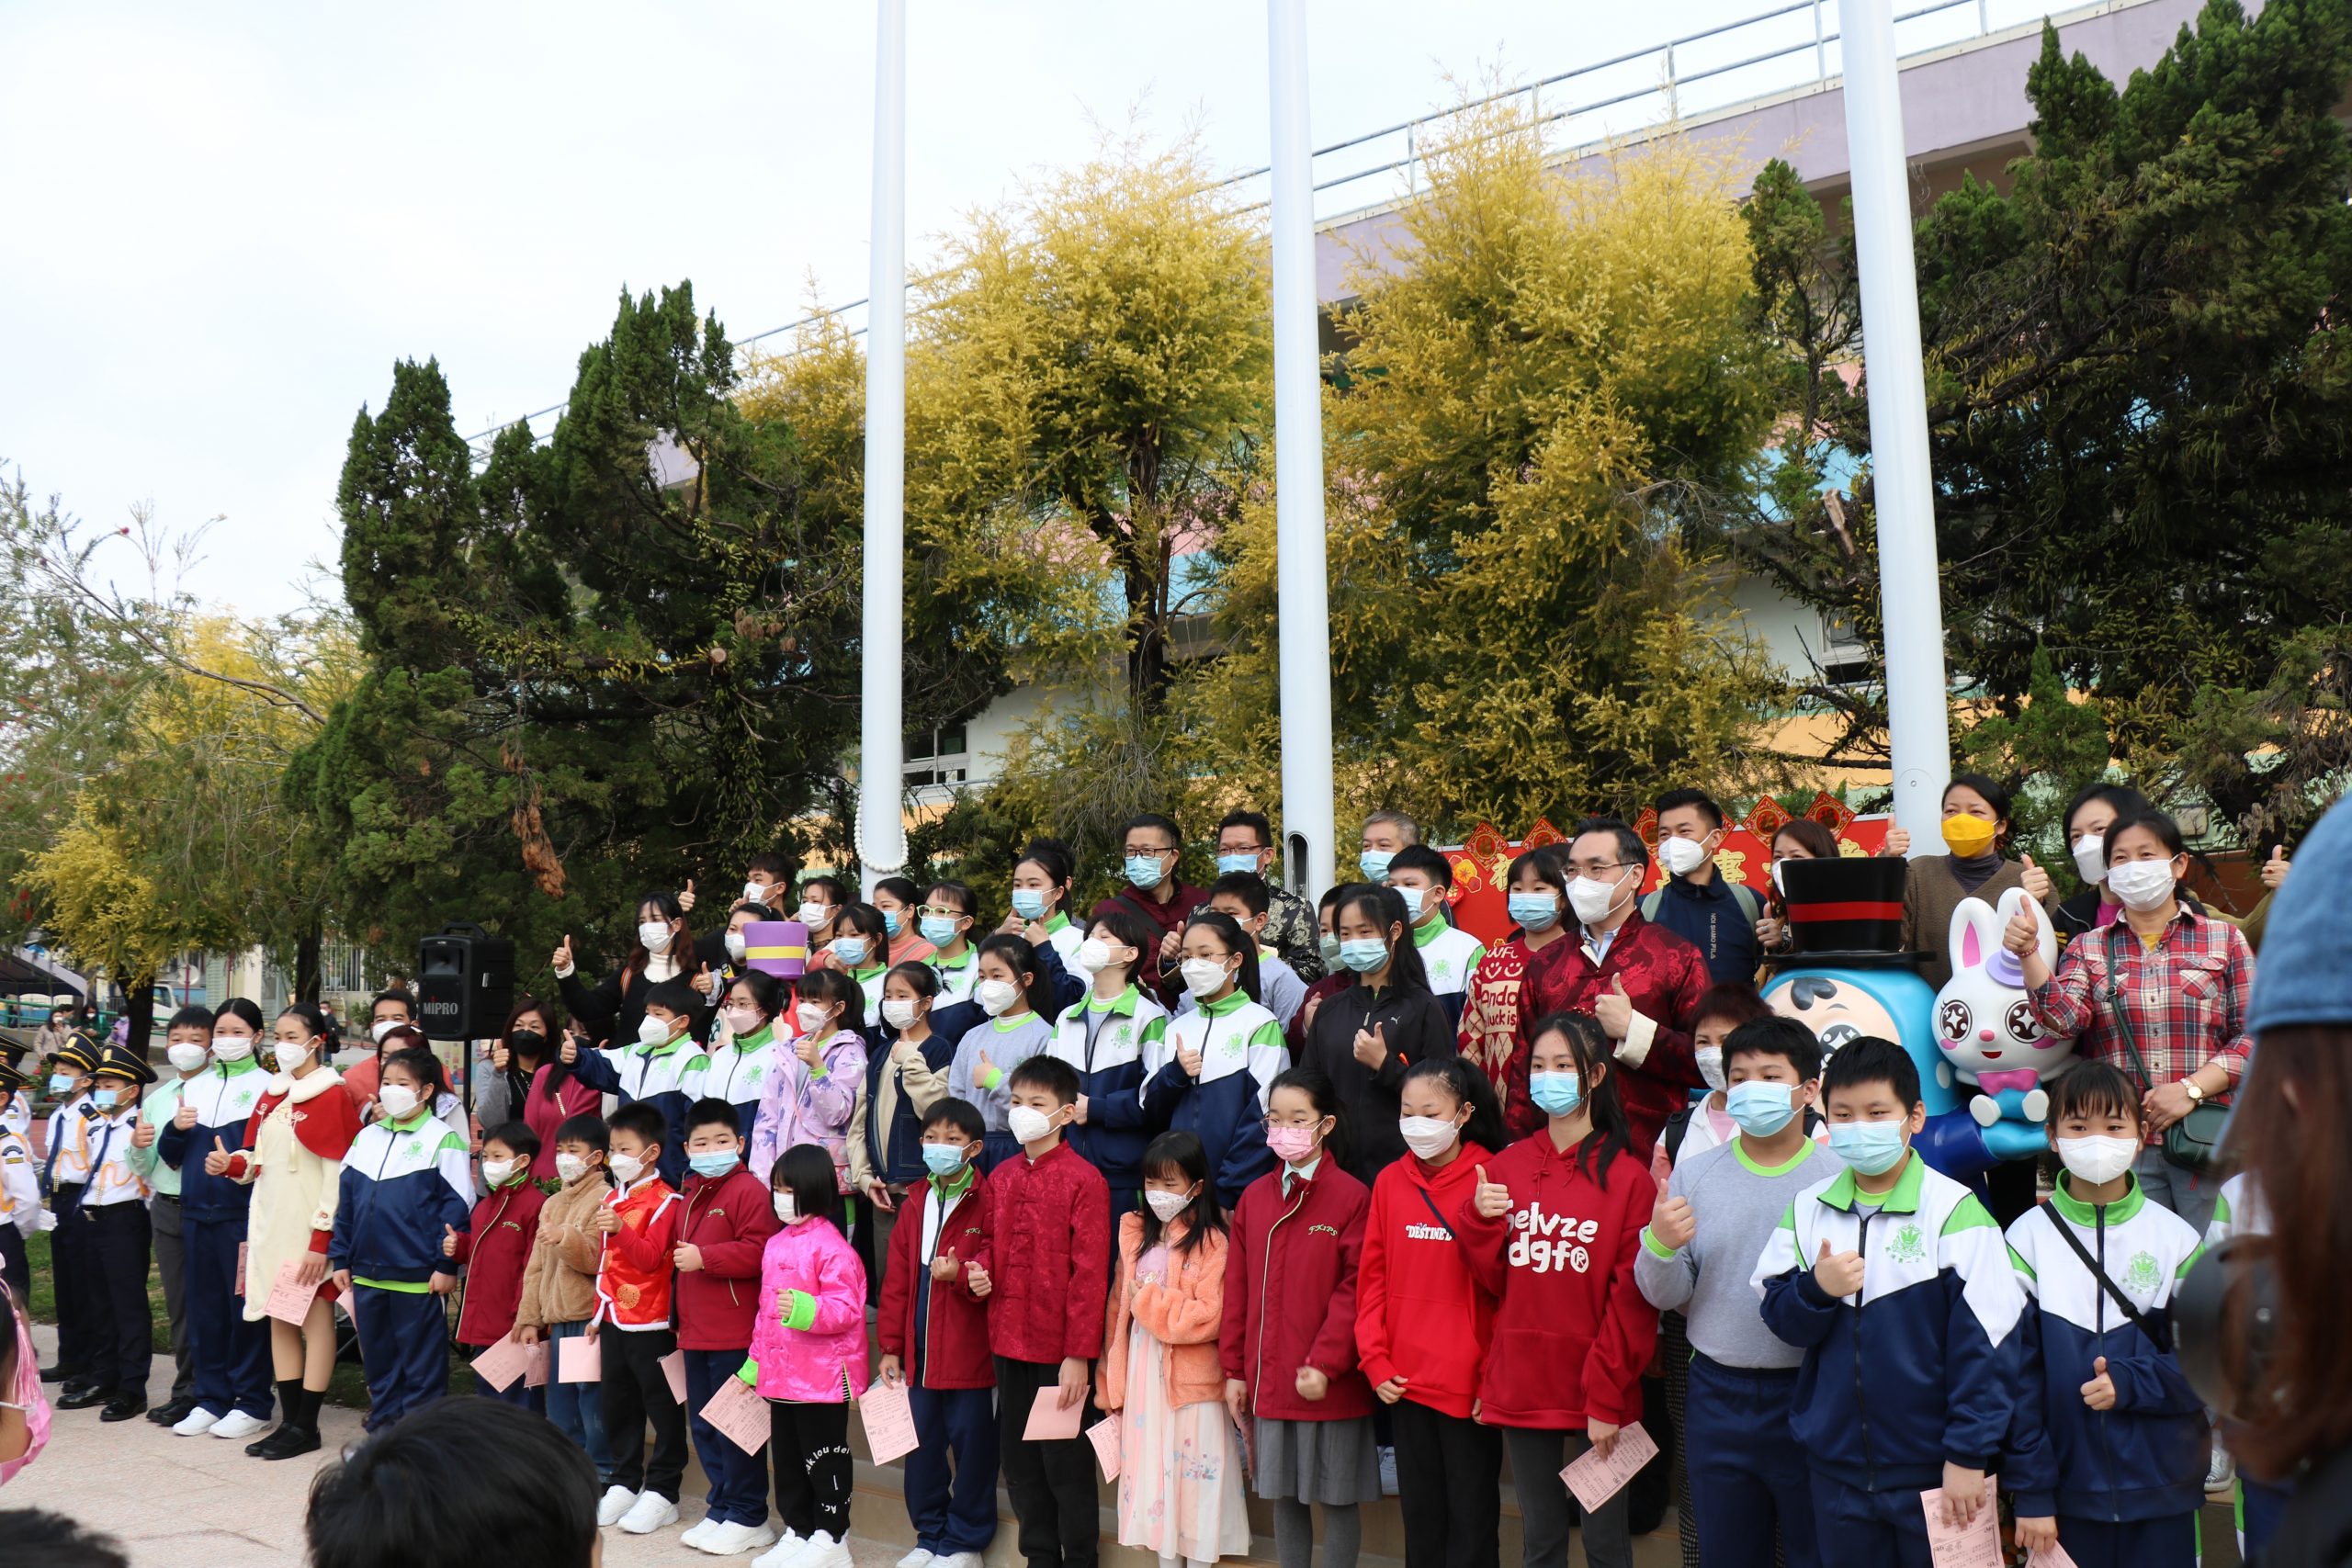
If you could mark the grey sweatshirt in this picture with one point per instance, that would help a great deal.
(1735, 1206)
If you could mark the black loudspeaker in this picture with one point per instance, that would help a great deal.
(465, 982)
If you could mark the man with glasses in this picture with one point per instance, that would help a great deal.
(1639, 979)
(1245, 841)
(1150, 846)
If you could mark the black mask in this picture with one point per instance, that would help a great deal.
(526, 1043)
(2225, 1317)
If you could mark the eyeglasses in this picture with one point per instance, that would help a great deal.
(1596, 868)
(1153, 850)
(1241, 849)
(941, 910)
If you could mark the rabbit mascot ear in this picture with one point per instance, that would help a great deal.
(1975, 935)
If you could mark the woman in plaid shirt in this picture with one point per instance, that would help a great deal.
(2180, 976)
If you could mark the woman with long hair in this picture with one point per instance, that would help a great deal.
(1365, 1035)
(663, 949)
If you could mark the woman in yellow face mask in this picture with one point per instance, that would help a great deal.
(1976, 829)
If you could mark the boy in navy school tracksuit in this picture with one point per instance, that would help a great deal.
(2110, 1458)
(1899, 1288)
(406, 1184)
(666, 1073)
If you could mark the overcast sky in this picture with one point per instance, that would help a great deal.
(226, 221)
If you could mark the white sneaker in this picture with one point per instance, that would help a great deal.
(734, 1539)
(823, 1551)
(1389, 1473)
(2221, 1473)
(651, 1512)
(618, 1500)
(697, 1534)
(237, 1423)
(195, 1424)
(920, 1557)
(787, 1547)
(960, 1560)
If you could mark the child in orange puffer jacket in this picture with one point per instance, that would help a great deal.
(1179, 1458)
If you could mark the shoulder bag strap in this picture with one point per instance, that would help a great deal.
(1431, 1207)
(2122, 1018)
(2158, 1337)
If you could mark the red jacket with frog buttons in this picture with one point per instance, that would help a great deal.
(730, 1219)
(1049, 1256)
(1290, 1293)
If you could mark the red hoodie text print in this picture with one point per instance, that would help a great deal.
(1568, 1245)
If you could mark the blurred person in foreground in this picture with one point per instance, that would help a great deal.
(436, 1489)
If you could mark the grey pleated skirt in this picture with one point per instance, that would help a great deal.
(1316, 1462)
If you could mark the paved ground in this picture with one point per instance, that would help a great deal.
(176, 1502)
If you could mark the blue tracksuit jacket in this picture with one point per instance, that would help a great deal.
(401, 1186)
(224, 1102)
(1117, 1047)
(1241, 1049)
(668, 1076)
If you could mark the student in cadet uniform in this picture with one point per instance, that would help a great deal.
(663, 1067)
(64, 1173)
(725, 1223)
(1115, 1043)
(406, 1183)
(935, 1337)
(20, 1206)
(189, 1039)
(291, 1154)
(1220, 1056)
(231, 1354)
(113, 1208)
(1243, 895)
(1449, 955)
(1696, 902)
(1748, 1495)
(494, 1250)
(2110, 1458)
(1895, 1282)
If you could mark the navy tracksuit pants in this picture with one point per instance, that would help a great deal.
(1854, 1528)
(2134, 1544)
(738, 1481)
(2260, 1507)
(230, 1356)
(952, 1511)
(1748, 1486)
(403, 1347)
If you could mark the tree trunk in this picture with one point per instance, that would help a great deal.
(139, 1003)
(306, 965)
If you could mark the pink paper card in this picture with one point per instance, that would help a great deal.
(1049, 1422)
(579, 1359)
(739, 1413)
(1595, 1480)
(290, 1301)
(673, 1366)
(1976, 1544)
(1104, 1436)
(535, 1365)
(502, 1363)
(889, 1418)
(241, 1247)
(2050, 1556)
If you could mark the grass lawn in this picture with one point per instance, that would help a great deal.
(348, 1387)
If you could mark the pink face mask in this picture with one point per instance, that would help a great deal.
(1291, 1145)
(27, 1396)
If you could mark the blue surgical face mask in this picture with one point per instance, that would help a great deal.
(942, 1159)
(1144, 871)
(1535, 912)
(850, 950)
(60, 1083)
(1555, 1094)
(112, 1099)
(1228, 865)
(1374, 863)
(1760, 1109)
(713, 1162)
(1029, 903)
(1869, 1149)
(1363, 953)
(1413, 897)
(1330, 948)
(893, 922)
(937, 929)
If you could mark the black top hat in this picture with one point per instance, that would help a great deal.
(1847, 910)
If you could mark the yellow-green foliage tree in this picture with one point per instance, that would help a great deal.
(1560, 376)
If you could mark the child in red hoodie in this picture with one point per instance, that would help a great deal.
(1552, 1226)
(724, 1225)
(494, 1252)
(1423, 1319)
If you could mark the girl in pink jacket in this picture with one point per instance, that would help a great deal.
(808, 1358)
(814, 1093)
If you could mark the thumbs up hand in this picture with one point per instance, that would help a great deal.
(561, 961)
(942, 1268)
(1673, 1224)
(448, 1241)
(2036, 880)
(2023, 932)
(185, 1117)
(687, 898)
(976, 1281)
(1840, 1274)
(1614, 1008)
(1492, 1198)
(2099, 1393)
(2274, 870)
(499, 1056)
(217, 1162)
(571, 1048)
(1189, 1058)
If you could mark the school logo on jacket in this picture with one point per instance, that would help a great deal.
(2142, 1276)
(1908, 1246)
(1543, 1242)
